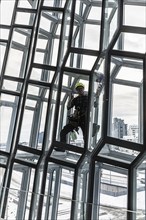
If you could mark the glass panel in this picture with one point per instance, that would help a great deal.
(82, 190)
(66, 189)
(95, 13)
(110, 22)
(21, 36)
(52, 3)
(49, 191)
(6, 9)
(13, 195)
(33, 123)
(91, 41)
(140, 191)
(43, 75)
(17, 57)
(132, 42)
(49, 29)
(26, 156)
(12, 208)
(87, 61)
(68, 156)
(118, 153)
(20, 191)
(45, 113)
(8, 110)
(129, 15)
(125, 111)
(4, 33)
(26, 128)
(87, 20)
(25, 18)
(126, 86)
(106, 212)
(12, 85)
(130, 74)
(27, 4)
(59, 180)
(113, 188)
(66, 31)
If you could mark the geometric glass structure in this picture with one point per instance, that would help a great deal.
(46, 47)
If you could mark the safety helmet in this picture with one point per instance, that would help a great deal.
(79, 85)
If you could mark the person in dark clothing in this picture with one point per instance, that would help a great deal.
(78, 118)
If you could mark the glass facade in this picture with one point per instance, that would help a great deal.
(46, 47)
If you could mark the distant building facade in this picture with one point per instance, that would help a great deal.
(133, 134)
(133, 130)
(119, 128)
(124, 131)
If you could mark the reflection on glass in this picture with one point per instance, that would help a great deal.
(118, 153)
(68, 156)
(113, 188)
(59, 180)
(18, 193)
(25, 156)
(66, 189)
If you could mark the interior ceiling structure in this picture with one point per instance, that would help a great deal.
(46, 47)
